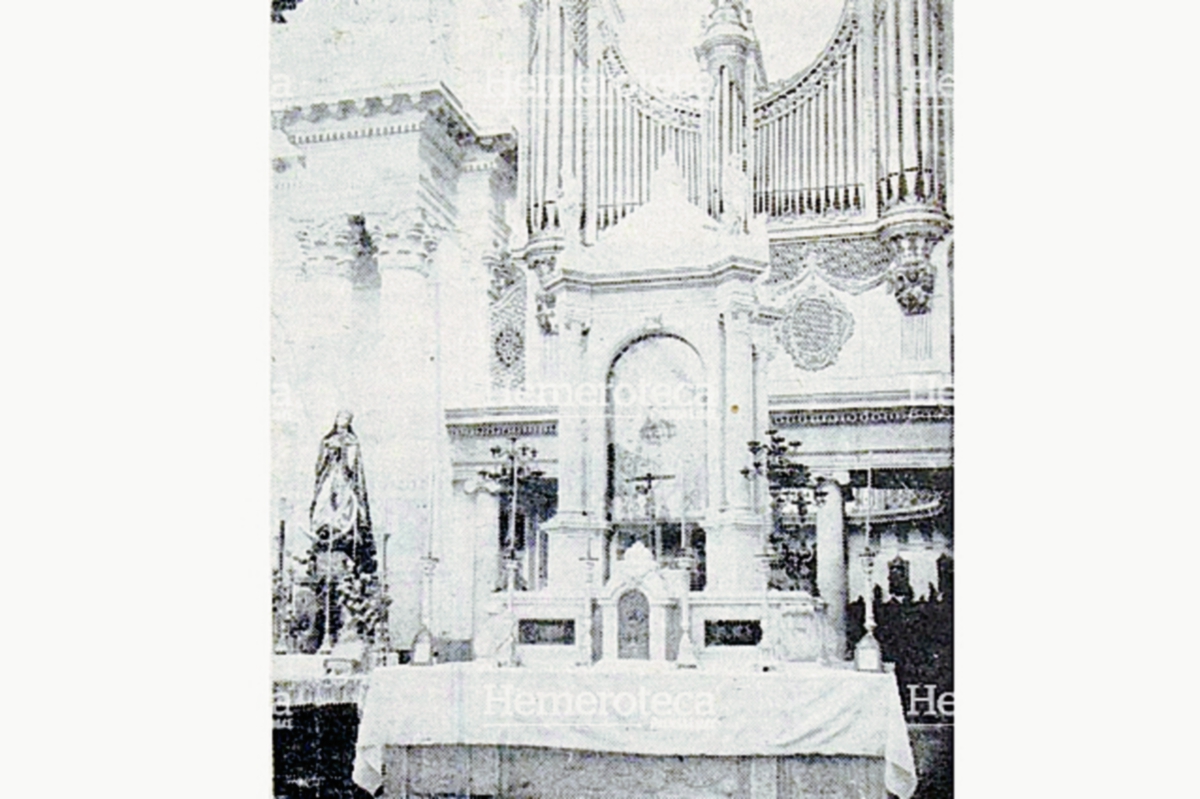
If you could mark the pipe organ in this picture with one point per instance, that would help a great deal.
(860, 132)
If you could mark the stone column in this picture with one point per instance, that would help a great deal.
(580, 429)
(738, 535)
(831, 560)
(484, 535)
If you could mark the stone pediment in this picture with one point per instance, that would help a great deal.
(668, 238)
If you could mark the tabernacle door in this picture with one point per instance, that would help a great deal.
(633, 626)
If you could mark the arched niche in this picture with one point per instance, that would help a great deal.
(656, 419)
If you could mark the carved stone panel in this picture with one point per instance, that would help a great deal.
(815, 330)
(848, 264)
(507, 323)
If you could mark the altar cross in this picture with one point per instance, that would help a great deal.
(644, 484)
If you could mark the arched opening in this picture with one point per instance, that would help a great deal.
(657, 489)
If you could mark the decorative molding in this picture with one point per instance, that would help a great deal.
(931, 390)
(503, 429)
(328, 691)
(853, 264)
(435, 102)
(815, 329)
(320, 137)
(862, 416)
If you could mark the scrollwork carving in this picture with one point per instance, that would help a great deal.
(546, 317)
(502, 271)
(911, 276)
(912, 285)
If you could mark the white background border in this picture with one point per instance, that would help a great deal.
(135, 312)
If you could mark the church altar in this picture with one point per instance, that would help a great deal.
(633, 729)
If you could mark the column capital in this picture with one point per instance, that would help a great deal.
(911, 231)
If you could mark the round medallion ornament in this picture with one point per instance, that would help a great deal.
(509, 346)
(815, 330)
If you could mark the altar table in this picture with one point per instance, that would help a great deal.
(621, 730)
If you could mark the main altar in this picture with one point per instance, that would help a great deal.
(471, 729)
(644, 389)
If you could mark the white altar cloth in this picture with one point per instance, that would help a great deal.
(655, 710)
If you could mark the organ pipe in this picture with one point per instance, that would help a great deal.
(866, 116)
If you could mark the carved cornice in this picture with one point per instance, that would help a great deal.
(341, 118)
(502, 429)
(315, 137)
(862, 416)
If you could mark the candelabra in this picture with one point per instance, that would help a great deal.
(422, 654)
(515, 465)
(788, 483)
(867, 656)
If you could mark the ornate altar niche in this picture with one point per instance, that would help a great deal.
(656, 426)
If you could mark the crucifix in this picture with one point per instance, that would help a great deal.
(644, 484)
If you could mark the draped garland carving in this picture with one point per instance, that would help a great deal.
(853, 265)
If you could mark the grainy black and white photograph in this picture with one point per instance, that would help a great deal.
(579, 399)
(612, 398)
